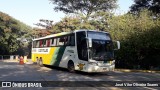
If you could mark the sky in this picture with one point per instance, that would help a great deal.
(31, 11)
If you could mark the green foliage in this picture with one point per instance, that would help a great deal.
(10, 30)
(152, 5)
(140, 41)
(66, 24)
(84, 7)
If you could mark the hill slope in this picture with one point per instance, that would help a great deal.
(10, 30)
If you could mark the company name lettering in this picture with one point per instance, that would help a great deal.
(43, 50)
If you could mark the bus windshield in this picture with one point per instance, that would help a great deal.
(99, 35)
(102, 46)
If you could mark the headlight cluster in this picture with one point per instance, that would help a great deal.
(113, 62)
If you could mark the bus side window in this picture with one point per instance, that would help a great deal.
(44, 43)
(53, 42)
(37, 44)
(72, 40)
(48, 42)
(41, 43)
(66, 40)
(60, 41)
(34, 44)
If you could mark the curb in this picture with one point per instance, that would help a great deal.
(130, 70)
(16, 61)
(8, 60)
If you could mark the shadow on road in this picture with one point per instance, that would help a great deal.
(78, 72)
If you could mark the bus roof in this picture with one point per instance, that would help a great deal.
(53, 35)
(65, 33)
(89, 30)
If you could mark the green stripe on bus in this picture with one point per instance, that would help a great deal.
(57, 56)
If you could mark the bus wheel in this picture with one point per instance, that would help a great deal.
(71, 66)
(40, 62)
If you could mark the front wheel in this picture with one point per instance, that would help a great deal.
(71, 67)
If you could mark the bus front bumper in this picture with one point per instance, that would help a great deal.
(93, 68)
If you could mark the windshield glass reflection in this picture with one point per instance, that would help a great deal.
(101, 50)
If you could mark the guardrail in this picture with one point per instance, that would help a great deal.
(9, 57)
(13, 57)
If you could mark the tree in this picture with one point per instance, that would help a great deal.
(84, 7)
(10, 30)
(68, 23)
(139, 37)
(152, 5)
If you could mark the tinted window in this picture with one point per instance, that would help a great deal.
(44, 43)
(99, 35)
(72, 40)
(53, 41)
(37, 44)
(60, 41)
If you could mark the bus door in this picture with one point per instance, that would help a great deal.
(82, 46)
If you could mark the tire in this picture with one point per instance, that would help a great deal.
(71, 67)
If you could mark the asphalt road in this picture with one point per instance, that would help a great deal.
(12, 71)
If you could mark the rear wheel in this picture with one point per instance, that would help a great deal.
(71, 67)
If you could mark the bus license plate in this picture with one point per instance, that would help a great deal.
(104, 68)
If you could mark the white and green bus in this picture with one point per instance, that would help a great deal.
(83, 50)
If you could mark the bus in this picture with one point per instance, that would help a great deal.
(82, 50)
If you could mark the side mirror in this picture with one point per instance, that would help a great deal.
(90, 42)
(117, 46)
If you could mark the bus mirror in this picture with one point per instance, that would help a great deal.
(117, 46)
(90, 42)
